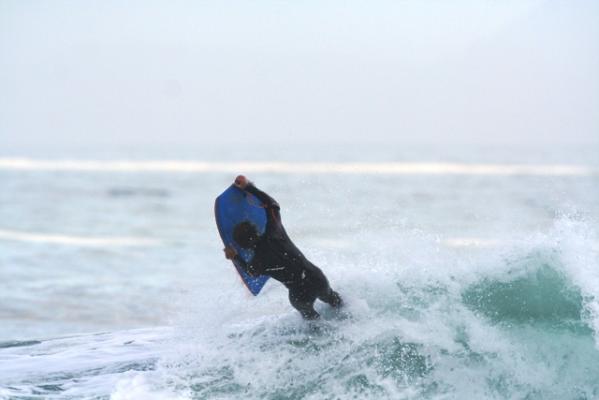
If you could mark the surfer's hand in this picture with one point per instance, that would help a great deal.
(230, 252)
(241, 182)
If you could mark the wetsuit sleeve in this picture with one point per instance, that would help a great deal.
(249, 268)
(268, 201)
(273, 211)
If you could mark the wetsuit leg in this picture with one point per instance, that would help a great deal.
(303, 301)
(318, 284)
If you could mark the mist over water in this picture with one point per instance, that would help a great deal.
(468, 285)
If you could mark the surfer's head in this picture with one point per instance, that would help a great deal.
(245, 234)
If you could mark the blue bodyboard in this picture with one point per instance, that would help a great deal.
(230, 208)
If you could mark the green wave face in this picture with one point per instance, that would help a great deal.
(543, 295)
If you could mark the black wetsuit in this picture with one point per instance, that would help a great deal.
(275, 255)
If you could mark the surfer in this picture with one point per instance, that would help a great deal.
(275, 255)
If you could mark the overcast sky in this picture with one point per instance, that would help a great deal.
(191, 71)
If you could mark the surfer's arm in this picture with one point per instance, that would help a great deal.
(274, 216)
(268, 201)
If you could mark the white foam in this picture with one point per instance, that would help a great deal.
(389, 168)
(577, 244)
(136, 386)
(260, 343)
(470, 242)
(69, 240)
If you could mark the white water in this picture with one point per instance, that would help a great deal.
(407, 332)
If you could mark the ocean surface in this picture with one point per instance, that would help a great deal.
(470, 273)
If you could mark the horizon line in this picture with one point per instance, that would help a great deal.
(282, 167)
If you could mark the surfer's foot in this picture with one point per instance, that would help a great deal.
(339, 301)
(334, 300)
(310, 315)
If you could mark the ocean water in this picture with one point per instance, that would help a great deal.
(468, 273)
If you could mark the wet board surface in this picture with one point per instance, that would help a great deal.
(230, 208)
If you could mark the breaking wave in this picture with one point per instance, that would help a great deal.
(516, 322)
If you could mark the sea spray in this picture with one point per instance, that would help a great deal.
(512, 322)
(422, 321)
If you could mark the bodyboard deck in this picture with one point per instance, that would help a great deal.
(230, 208)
